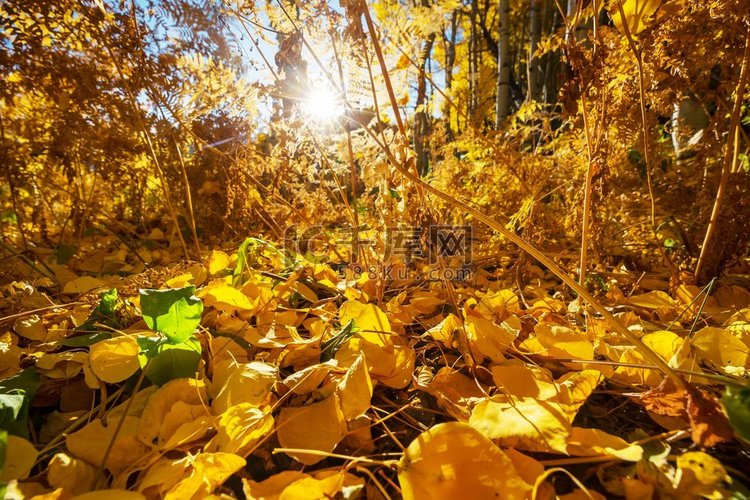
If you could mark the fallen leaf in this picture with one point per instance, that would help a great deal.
(114, 360)
(294, 425)
(453, 460)
(355, 389)
(20, 456)
(523, 423)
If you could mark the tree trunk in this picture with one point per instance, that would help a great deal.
(421, 119)
(502, 108)
(450, 59)
(533, 65)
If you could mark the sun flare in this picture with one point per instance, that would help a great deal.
(322, 105)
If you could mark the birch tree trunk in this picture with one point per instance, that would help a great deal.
(421, 118)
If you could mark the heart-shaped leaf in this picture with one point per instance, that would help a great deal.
(175, 312)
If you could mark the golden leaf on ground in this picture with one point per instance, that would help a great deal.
(82, 285)
(523, 423)
(453, 460)
(239, 428)
(308, 379)
(110, 494)
(20, 456)
(721, 348)
(208, 470)
(294, 427)
(224, 297)
(522, 380)
(371, 321)
(186, 391)
(176, 422)
(30, 327)
(71, 474)
(489, 338)
(271, 488)
(235, 383)
(355, 389)
(217, 262)
(443, 332)
(592, 442)
(563, 342)
(114, 360)
(701, 475)
(189, 477)
(392, 365)
(91, 442)
(455, 393)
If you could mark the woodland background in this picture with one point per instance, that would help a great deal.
(598, 149)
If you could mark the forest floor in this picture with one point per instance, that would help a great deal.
(269, 375)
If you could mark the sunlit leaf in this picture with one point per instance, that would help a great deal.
(175, 313)
(453, 460)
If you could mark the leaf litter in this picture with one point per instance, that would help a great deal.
(277, 377)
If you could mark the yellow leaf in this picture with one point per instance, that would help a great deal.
(20, 455)
(563, 342)
(523, 423)
(443, 332)
(308, 379)
(668, 345)
(187, 432)
(71, 474)
(82, 285)
(574, 388)
(655, 299)
(371, 321)
(113, 360)
(499, 305)
(318, 426)
(242, 383)
(521, 380)
(224, 297)
(593, 442)
(453, 460)
(240, 428)
(491, 339)
(720, 347)
(271, 488)
(455, 392)
(217, 262)
(637, 13)
(174, 420)
(30, 327)
(208, 470)
(62, 365)
(110, 495)
(355, 389)
(706, 468)
(90, 443)
(185, 390)
(314, 488)
(392, 365)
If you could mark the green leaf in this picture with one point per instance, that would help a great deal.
(331, 346)
(105, 313)
(170, 361)
(175, 312)
(737, 404)
(15, 397)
